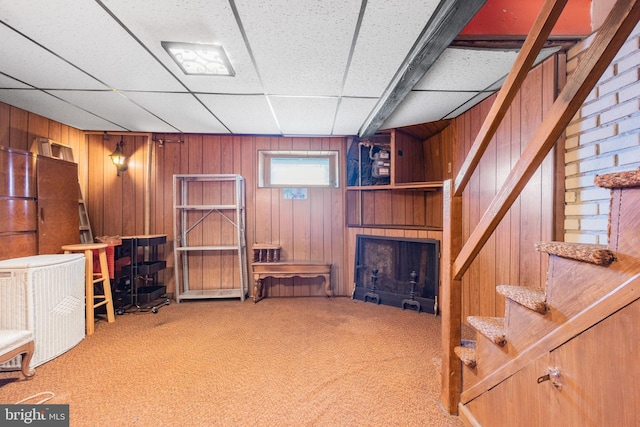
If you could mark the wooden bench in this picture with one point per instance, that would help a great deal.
(285, 270)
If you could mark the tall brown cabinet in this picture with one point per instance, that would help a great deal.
(38, 204)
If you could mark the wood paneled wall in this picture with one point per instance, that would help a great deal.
(311, 229)
(18, 128)
(314, 229)
(509, 256)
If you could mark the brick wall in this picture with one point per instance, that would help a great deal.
(603, 137)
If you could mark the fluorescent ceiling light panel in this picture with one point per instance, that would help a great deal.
(200, 59)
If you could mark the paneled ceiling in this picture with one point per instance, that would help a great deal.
(302, 67)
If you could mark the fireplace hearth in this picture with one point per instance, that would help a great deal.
(400, 272)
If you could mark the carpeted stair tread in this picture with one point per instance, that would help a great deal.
(467, 353)
(535, 299)
(594, 254)
(491, 327)
(619, 179)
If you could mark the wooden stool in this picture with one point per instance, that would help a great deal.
(92, 278)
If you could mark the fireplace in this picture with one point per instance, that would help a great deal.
(401, 272)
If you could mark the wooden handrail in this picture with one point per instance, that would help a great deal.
(451, 298)
(538, 35)
(612, 34)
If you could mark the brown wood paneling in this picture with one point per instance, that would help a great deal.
(508, 256)
(409, 157)
(486, 258)
(429, 212)
(19, 129)
(55, 131)
(38, 126)
(115, 205)
(504, 230)
(305, 229)
(438, 154)
(398, 206)
(94, 194)
(5, 121)
(383, 213)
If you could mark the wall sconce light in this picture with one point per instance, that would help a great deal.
(118, 158)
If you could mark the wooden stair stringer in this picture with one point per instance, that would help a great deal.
(617, 298)
(573, 285)
(489, 357)
(624, 217)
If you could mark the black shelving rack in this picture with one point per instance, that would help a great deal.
(144, 267)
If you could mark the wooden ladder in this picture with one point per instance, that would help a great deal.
(49, 148)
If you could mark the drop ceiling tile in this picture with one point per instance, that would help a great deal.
(191, 21)
(41, 103)
(7, 82)
(86, 36)
(467, 69)
(243, 114)
(352, 112)
(301, 48)
(304, 115)
(479, 97)
(37, 67)
(180, 110)
(114, 107)
(423, 107)
(383, 43)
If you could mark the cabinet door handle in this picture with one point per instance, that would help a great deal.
(41, 214)
(552, 375)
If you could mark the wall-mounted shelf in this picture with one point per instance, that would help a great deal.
(411, 196)
(426, 186)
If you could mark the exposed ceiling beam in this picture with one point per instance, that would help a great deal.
(450, 17)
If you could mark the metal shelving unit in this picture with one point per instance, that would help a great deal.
(206, 208)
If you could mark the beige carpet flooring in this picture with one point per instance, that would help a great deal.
(281, 362)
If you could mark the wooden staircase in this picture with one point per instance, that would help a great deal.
(521, 325)
(579, 278)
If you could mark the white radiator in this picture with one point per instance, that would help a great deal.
(45, 295)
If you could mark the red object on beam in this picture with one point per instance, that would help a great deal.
(515, 18)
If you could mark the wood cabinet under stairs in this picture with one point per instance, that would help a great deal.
(565, 355)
